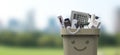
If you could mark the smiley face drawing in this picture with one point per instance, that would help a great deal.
(80, 49)
(80, 45)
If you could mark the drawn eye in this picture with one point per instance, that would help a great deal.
(73, 42)
(87, 42)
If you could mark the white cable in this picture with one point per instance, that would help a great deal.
(68, 30)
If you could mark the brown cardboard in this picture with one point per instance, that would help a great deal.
(83, 42)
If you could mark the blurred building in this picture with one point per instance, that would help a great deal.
(14, 24)
(17, 25)
(117, 21)
(29, 23)
(52, 27)
(1, 25)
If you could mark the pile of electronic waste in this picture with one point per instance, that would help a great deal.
(80, 20)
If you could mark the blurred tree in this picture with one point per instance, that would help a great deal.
(107, 40)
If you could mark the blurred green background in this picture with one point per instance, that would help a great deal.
(40, 43)
(31, 27)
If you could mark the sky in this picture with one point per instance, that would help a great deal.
(47, 8)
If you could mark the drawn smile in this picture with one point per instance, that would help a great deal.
(80, 49)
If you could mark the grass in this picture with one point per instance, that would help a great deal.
(5, 50)
(109, 51)
(29, 51)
